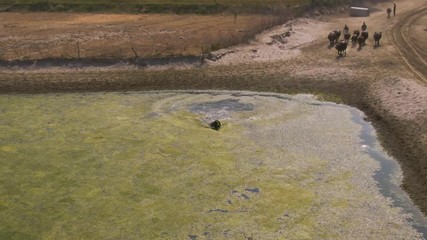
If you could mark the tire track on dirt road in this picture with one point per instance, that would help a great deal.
(415, 58)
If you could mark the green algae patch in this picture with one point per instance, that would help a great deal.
(148, 166)
(102, 166)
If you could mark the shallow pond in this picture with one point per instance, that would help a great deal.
(147, 166)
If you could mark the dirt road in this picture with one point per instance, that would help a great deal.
(408, 40)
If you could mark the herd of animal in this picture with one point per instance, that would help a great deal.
(359, 37)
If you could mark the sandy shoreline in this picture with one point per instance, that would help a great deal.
(374, 80)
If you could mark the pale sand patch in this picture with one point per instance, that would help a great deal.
(265, 48)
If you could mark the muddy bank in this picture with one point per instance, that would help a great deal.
(403, 133)
(47, 64)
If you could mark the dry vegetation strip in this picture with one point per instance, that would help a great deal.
(153, 6)
(227, 2)
(169, 2)
(32, 36)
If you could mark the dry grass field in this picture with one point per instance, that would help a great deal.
(154, 6)
(225, 2)
(30, 36)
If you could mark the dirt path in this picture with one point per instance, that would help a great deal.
(413, 55)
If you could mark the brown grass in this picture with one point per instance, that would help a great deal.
(28, 36)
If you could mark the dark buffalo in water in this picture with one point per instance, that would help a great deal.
(377, 37)
(341, 47)
(216, 125)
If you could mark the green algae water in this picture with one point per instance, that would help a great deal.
(147, 166)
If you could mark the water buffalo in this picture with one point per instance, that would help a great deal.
(354, 38)
(337, 35)
(357, 33)
(331, 37)
(361, 41)
(341, 47)
(365, 35)
(347, 37)
(334, 36)
(216, 125)
(377, 37)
